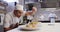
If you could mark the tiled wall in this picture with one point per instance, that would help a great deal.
(45, 13)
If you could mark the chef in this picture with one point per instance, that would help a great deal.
(52, 16)
(30, 14)
(14, 18)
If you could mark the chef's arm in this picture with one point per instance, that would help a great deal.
(34, 10)
(7, 28)
(7, 22)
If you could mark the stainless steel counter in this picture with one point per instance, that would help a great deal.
(45, 27)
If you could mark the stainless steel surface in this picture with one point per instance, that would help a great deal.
(44, 28)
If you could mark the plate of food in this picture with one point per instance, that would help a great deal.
(31, 26)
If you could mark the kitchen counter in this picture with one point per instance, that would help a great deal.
(44, 27)
(58, 21)
(48, 21)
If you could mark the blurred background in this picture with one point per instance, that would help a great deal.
(44, 7)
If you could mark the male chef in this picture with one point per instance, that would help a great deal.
(12, 19)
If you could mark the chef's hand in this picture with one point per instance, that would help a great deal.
(11, 27)
(6, 29)
(16, 25)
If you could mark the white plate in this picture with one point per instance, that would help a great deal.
(29, 29)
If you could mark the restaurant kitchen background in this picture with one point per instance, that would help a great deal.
(44, 7)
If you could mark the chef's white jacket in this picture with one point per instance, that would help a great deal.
(10, 19)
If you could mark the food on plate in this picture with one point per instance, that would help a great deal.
(32, 24)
